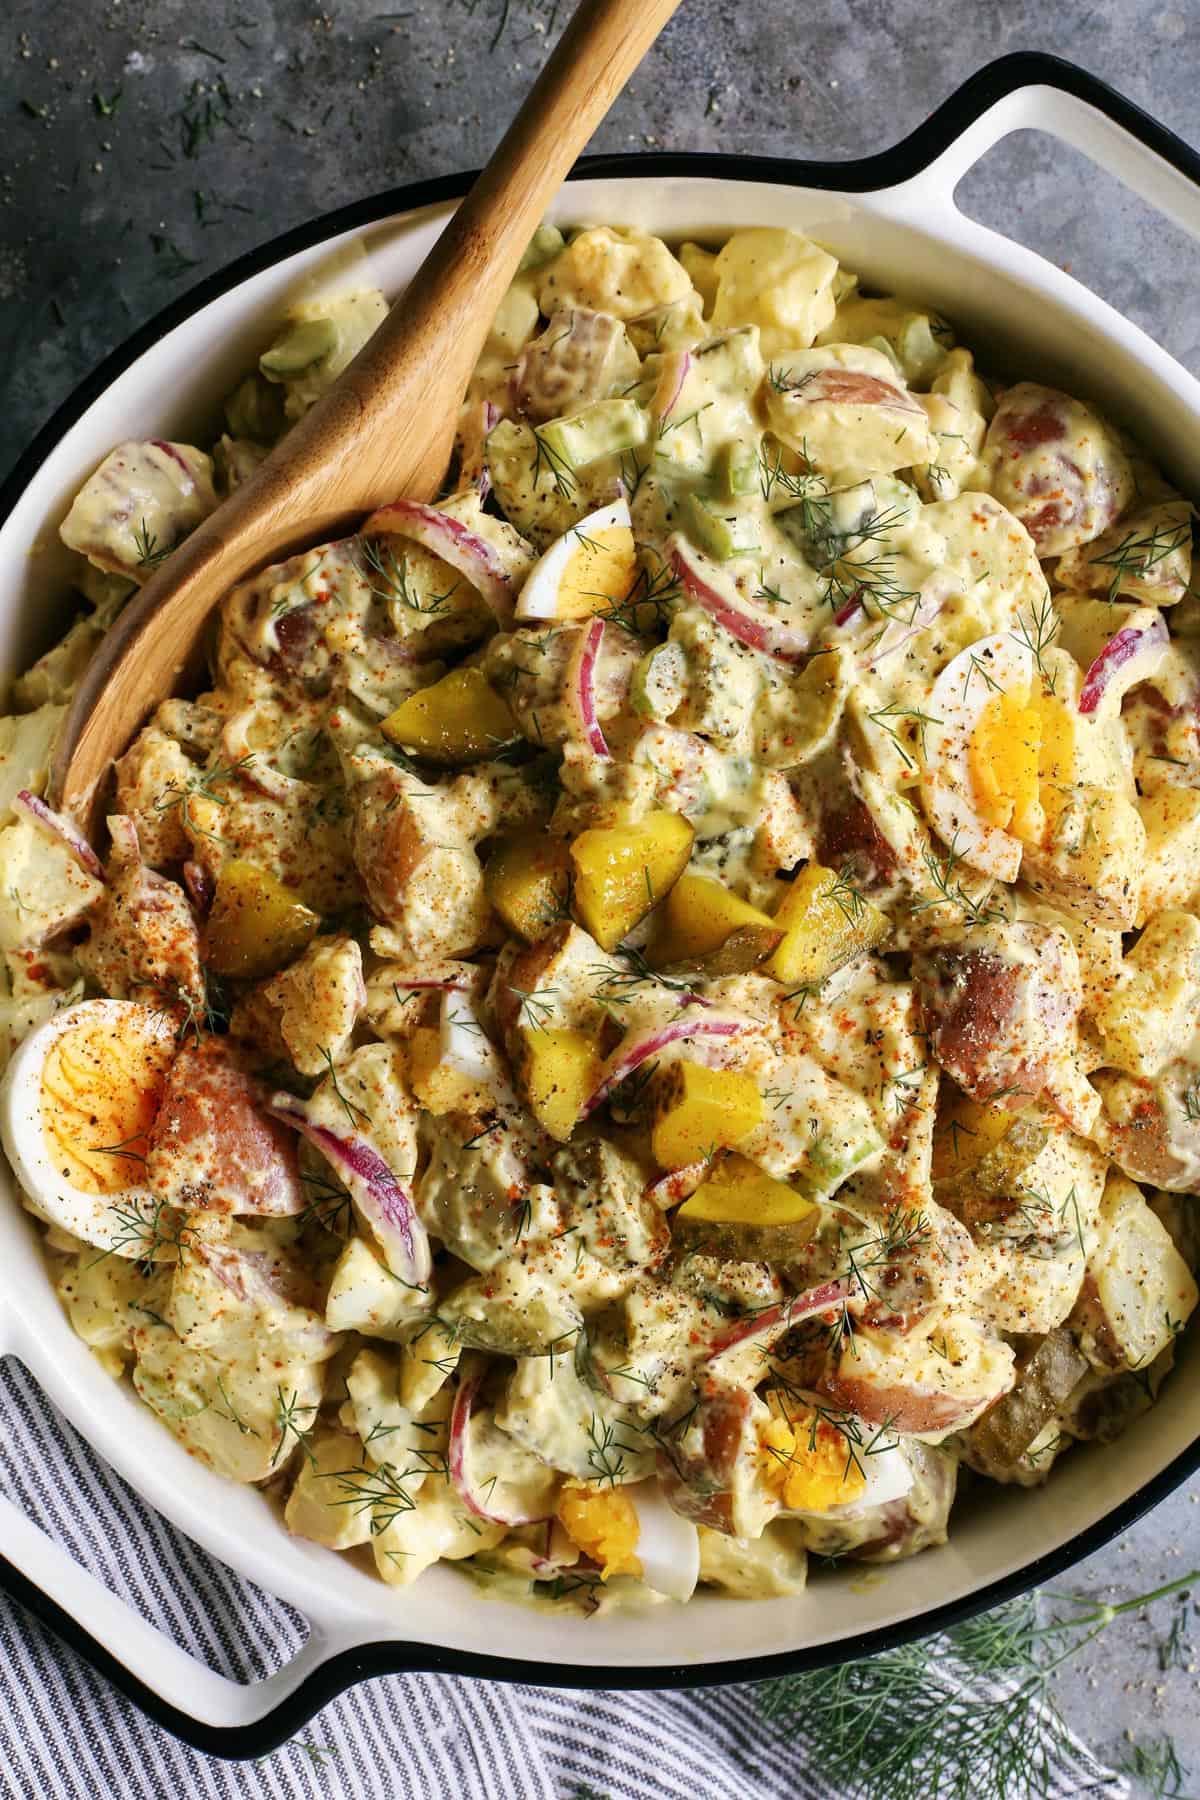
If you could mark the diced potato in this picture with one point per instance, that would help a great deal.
(1171, 870)
(26, 743)
(1091, 859)
(1148, 1015)
(778, 280)
(755, 1568)
(436, 1527)
(827, 923)
(621, 871)
(427, 1362)
(320, 1507)
(365, 1296)
(460, 719)
(1138, 1292)
(560, 1068)
(44, 891)
(743, 1214)
(527, 880)
(699, 915)
(611, 269)
(438, 1087)
(256, 924)
(699, 1110)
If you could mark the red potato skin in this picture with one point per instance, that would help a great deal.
(978, 1004)
(699, 1484)
(213, 1146)
(850, 839)
(850, 387)
(1035, 444)
(903, 1409)
(565, 368)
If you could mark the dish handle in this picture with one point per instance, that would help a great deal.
(1032, 92)
(206, 1709)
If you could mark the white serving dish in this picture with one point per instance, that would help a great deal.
(907, 236)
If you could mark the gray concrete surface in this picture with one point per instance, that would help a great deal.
(145, 142)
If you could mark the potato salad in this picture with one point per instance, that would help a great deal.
(644, 1026)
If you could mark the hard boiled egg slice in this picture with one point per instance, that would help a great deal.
(589, 570)
(830, 1465)
(668, 1546)
(77, 1104)
(979, 783)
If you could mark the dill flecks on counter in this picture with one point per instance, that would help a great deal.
(908, 1725)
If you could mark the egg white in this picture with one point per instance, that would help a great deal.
(538, 598)
(960, 694)
(668, 1546)
(88, 1216)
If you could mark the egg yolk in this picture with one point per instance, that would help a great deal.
(599, 573)
(1020, 742)
(101, 1088)
(804, 1460)
(604, 1524)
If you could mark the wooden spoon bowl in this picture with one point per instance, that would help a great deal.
(386, 426)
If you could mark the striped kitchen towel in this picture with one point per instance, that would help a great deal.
(65, 1735)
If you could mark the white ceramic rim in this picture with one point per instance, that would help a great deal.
(909, 236)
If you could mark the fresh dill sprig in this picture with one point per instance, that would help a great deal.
(1135, 556)
(386, 574)
(1037, 630)
(920, 721)
(906, 1725)
(356, 1116)
(617, 987)
(289, 1409)
(606, 1455)
(536, 1007)
(845, 896)
(941, 872)
(547, 460)
(145, 1229)
(149, 551)
(330, 1207)
(648, 602)
(1156, 1765)
(379, 1491)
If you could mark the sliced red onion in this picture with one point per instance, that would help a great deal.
(483, 481)
(427, 984)
(382, 1202)
(674, 370)
(440, 532)
(706, 587)
(581, 686)
(1145, 644)
(846, 612)
(57, 825)
(632, 1053)
(767, 1327)
(459, 1455)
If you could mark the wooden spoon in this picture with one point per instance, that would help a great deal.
(386, 426)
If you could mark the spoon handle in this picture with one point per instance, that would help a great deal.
(386, 426)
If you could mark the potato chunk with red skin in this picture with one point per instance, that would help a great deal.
(1001, 1005)
(144, 938)
(1150, 1128)
(580, 357)
(421, 877)
(1057, 466)
(212, 1146)
(710, 1470)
